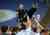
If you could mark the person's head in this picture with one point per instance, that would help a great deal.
(27, 22)
(44, 32)
(4, 28)
(9, 31)
(24, 23)
(1, 31)
(17, 29)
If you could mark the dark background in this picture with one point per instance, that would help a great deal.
(11, 4)
(8, 4)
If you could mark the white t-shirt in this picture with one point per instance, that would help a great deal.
(28, 31)
(37, 33)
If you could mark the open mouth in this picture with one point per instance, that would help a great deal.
(6, 15)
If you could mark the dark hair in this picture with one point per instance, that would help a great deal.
(14, 29)
(24, 19)
(23, 26)
(4, 28)
(44, 30)
(31, 12)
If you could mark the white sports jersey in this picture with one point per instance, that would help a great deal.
(27, 32)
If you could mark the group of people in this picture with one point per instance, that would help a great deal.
(27, 23)
(5, 30)
(27, 29)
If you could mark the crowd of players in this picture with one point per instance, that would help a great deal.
(28, 24)
(5, 30)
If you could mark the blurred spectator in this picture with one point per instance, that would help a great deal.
(44, 32)
(4, 28)
(14, 31)
(27, 30)
(9, 32)
(1, 33)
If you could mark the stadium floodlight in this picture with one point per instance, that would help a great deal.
(6, 15)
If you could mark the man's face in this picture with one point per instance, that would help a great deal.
(25, 23)
(28, 23)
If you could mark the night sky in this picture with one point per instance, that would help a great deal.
(27, 3)
(42, 8)
(8, 4)
(11, 4)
